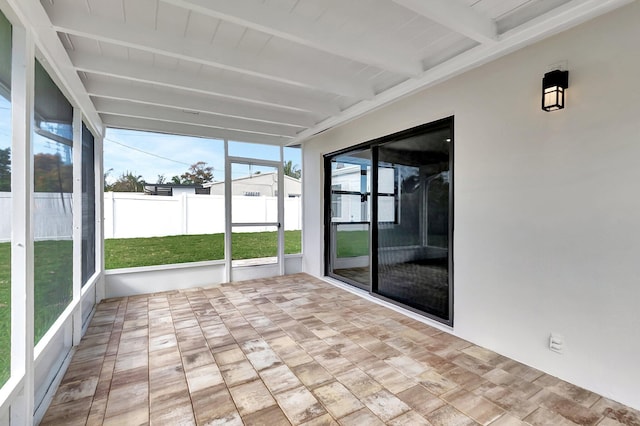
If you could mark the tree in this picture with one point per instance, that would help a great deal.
(5, 170)
(105, 178)
(292, 170)
(197, 174)
(127, 182)
(161, 179)
(50, 174)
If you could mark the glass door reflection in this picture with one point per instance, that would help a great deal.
(350, 218)
(413, 235)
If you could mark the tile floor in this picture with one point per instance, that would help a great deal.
(296, 350)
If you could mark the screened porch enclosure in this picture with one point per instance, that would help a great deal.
(335, 275)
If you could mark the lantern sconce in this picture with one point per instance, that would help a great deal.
(554, 84)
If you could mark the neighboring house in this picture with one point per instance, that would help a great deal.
(258, 185)
(171, 189)
(350, 185)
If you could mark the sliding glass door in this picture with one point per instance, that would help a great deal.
(412, 241)
(397, 245)
(349, 212)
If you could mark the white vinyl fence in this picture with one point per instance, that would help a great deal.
(52, 213)
(131, 215)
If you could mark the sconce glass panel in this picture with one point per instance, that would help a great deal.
(553, 98)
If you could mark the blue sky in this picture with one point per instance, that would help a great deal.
(40, 144)
(126, 151)
(152, 154)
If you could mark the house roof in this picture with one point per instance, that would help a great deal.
(254, 176)
(275, 71)
(173, 185)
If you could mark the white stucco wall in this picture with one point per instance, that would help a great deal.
(547, 213)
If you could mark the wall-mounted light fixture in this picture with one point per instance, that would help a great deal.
(554, 84)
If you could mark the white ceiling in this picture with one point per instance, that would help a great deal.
(277, 71)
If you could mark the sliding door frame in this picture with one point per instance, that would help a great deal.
(373, 146)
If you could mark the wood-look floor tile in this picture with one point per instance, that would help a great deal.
(464, 378)
(449, 416)
(566, 408)
(312, 374)
(523, 371)
(359, 383)
(135, 332)
(130, 361)
(263, 359)
(83, 370)
(97, 412)
(203, 377)
(72, 412)
(337, 399)
(333, 362)
(410, 418)
(279, 379)
(130, 377)
(545, 417)
(406, 365)
(478, 408)
(127, 398)
(421, 400)
(88, 353)
(136, 416)
(484, 355)
(286, 350)
(271, 416)
(385, 405)
(196, 358)
(174, 414)
(434, 362)
(71, 391)
(610, 422)
(238, 372)
(324, 420)
(508, 420)
(616, 411)
(162, 341)
(294, 357)
(214, 405)
(229, 356)
(361, 417)
(574, 393)
(509, 400)
(299, 405)
(389, 377)
(251, 397)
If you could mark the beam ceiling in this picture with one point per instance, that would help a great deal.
(455, 15)
(274, 71)
(299, 73)
(385, 53)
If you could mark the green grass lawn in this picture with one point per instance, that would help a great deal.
(352, 243)
(53, 292)
(53, 282)
(5, 311)
(133, 252)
